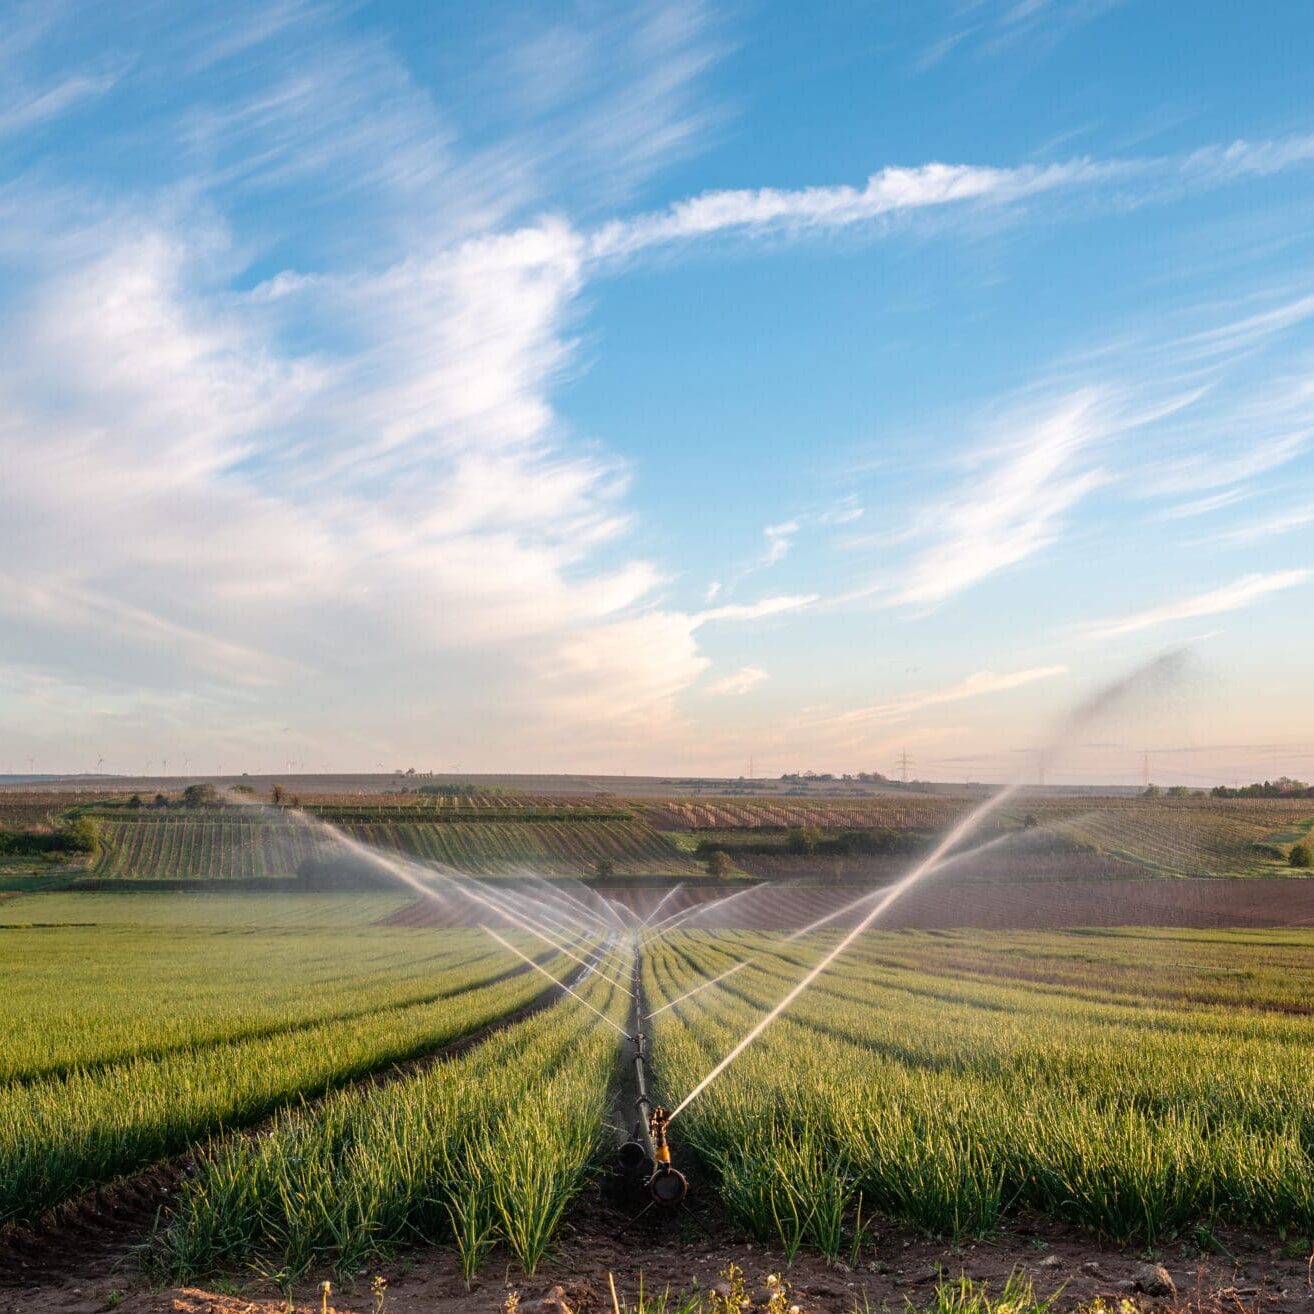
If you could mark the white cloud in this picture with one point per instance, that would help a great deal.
(1203, 506)
(978, 685)
(22, 113)
(780, 538)
(898, 190)
(739, 682)
(890, 191)
(844, 514)
(1271, 526)
(1230, 597)
(756, 610)
(1013, 506)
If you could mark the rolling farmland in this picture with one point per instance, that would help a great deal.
(499, 834)
(1133, 1085)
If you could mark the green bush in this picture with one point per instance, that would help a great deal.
(1301, 855)
(719, 864)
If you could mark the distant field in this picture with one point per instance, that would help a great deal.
(498, 833)
(233, 845)
(1194, 836)
(1187, 837)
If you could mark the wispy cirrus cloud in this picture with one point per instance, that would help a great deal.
(937, 186)
(738, 683)
(1012, 502)
(21, 112)
(891, 191)
(1241, 593)
(779, 540)
(992, 30)
(978, 685)
(1282, 522)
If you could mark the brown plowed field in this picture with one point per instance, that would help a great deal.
(998, 905)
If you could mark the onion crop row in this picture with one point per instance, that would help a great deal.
(62, 1135)
(949, 1107)
(75, 998)
(486, 1148)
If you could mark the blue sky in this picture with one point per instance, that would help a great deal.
(655, 388)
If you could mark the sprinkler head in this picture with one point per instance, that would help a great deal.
(658, 1121)
(666, 1185)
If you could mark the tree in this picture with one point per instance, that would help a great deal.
(1151, 791)
(1178, 791)
(135, 801)
(277, 795)
(81, 836)
(161, 801)
(719, 864)
(1301, 855)
(804, 839)
(604, 869)
(200, 796)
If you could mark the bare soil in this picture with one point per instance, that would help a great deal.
(986, 905)
(893, 1267)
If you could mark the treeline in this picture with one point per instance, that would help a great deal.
(813, 840)
(77, 837)
(1282, 787)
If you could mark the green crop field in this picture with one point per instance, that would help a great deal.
(1105, 1094)
(133, 1026)
(490, 1147)
(1140, 1085)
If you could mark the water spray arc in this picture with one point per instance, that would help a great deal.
(661, 903)
(1154, 674)
(506, 944)
(964, 827)
(816, 926)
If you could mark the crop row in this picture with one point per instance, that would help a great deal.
(75, 998)
(61, 1135)
(484, 1149)
(946, 1104)
(1268, 969)
(247, 849)
(912, 812)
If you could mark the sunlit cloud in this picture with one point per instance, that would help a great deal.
(978, 685)
(1240, 593)
(738, 683)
